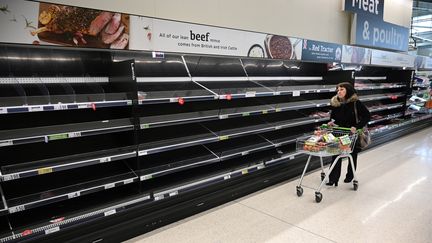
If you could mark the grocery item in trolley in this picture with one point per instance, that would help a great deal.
(325, 143)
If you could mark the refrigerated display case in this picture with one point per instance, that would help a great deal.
(108, 144)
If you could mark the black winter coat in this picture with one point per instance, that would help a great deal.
(343, 113)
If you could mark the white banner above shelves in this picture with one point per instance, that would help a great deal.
(29, 22)
(423, 63)
(356, 55)
(385, 58)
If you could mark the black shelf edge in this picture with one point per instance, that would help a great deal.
(177, 99)
(420, 86)
(371, 78)
(65, 106)
(174, 191)
(363, 88)
(64, 135)
(380, 97)
(285, 107)
(284, 159)
(386, 107)
(34, 233)
(218, 158)
(389, 117)
(289, 141)
(177, 169)
(250, 94)
(72, 194)
(404, 123)
(246, 152)
(285, 78)
(160, 149)
(67, 166)
(147, 125)
(143, 152)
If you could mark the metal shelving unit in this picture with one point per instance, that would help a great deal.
(112, 143)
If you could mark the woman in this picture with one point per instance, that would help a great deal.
(343, 115)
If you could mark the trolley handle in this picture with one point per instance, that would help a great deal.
(325, 126)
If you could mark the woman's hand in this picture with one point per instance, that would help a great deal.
(353, 130)
(331, 123)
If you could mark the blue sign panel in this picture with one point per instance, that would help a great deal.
(365, 7)
(372, 31)
(318, 51)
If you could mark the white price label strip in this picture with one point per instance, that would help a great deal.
(128, 181)
(250, 94)
(142, 152)
(36, 108)
(296, 93)
(60, 107)
(173, 193)
(74, 194)
(6, 143)
(110, 212)
(16, 209)
(10, 177)
(52, 230)
(146, 177)
(109, 186)
(74, 134)
(104, 160)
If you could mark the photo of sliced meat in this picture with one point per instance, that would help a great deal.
(63, 19)
(99, 22)
(108, 39)
(75, 26)
(114, 24)
(120, 43)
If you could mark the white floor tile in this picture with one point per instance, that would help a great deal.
(232, 223)
(391, 205)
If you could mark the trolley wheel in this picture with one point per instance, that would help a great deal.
(322, 176)
(299, 191)
(318, 197)
(355, 185)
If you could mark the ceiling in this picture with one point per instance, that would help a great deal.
(421, 27)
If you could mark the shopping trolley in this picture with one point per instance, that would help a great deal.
(324, 142)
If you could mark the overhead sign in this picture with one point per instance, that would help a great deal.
(365, 7)
(30, 22)
(371, 31)
(369, 28)
(318, 51)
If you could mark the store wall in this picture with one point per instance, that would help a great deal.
(312, 19)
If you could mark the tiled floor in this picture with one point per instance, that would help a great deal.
(393, 204)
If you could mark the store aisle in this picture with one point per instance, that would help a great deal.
(393, 204)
